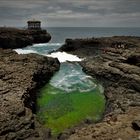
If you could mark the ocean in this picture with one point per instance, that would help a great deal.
(59, 34)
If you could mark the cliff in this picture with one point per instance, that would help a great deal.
(20, 78)
(18, 38)
(114, 62)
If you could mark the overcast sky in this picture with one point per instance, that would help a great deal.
(81, 13)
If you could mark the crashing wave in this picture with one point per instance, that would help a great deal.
(71, 78)
(63, 57)
(46, 48)
(42, 48)
(22, 51)
(46, 44)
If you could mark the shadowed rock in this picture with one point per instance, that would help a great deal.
(136, 125)
(19, 38)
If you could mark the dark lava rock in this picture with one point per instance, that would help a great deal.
(17, 38)
(134, 59)
(114, 62)
(20, 78)
(136, 125)
(94, 46)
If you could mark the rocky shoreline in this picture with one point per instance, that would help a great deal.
(18, 38)
(114, 62)
(21, 76)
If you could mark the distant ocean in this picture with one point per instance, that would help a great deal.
(59, 34)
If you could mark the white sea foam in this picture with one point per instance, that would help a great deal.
(22, 51)
(101, 89)
(46, 44)
(63, 57)
(71, 78)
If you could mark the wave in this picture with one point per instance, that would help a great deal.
(71, 78)
(64, 57)
(22, 51)
(47, 44)
(42, 48)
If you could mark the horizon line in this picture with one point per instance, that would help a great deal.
(87, 27)
(75, 26)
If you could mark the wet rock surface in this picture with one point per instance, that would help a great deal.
(20, 78)
(18, 38)
(114, 62)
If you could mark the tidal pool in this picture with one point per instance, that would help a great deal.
(70, 97)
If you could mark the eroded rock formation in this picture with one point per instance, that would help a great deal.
(20, 78)
(19, 38)
(114, 62)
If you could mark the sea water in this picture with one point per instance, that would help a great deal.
(59, 34)
(70, 98)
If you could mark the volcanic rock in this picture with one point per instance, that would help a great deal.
(18, 38)
(21, 76)
(115, 63)
(136, 125)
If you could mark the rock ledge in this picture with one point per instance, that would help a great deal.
(114, 62)
(20, 78)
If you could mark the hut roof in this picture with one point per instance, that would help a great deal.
(33, 21)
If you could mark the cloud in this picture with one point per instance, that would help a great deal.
(23, 4)
(71, 12)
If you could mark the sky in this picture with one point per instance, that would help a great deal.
(71, 13)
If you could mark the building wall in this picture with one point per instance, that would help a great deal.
(34, 25)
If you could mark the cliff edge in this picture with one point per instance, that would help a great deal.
(20, 78)
(19, 38)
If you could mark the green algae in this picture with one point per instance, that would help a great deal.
(60, 109)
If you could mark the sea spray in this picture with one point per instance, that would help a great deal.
(46, 48)
(42, 49)
(63, 57)
(22, 51)
(71, 78)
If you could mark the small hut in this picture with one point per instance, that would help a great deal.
(34, 25)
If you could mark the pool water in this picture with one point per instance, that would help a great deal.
(69, 98)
